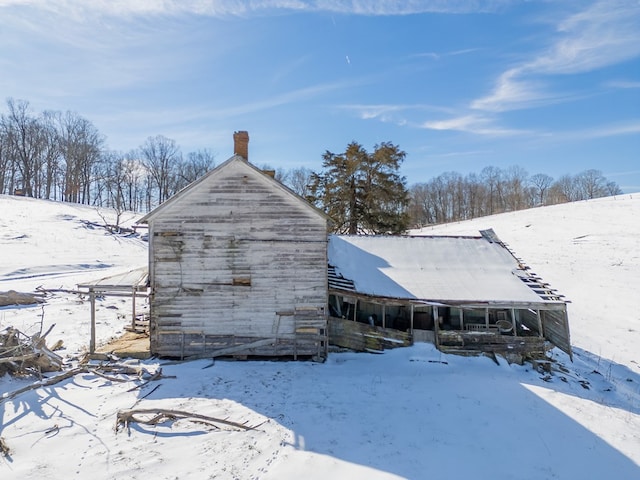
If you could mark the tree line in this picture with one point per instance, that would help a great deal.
(62, 156)
(452, 197)
(364, 192)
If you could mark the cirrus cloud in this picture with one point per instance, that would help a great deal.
(604, 34)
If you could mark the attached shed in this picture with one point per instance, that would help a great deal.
(465, 294)
(237, 266)
(132, 283)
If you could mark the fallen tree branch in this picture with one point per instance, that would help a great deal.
(44, 383)
(152, 390)
(97, 370)
(156, 376)
(108, 377)
(46, 291)
(159, 415)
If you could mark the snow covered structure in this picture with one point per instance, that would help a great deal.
(237, 266)
(465, 294)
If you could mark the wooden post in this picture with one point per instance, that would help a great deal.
(92, 340)
(133, 309)
(435, 325)
(355, 309)
(384, 316)
(539, 323)
(461, 319)
(486, 318)
(513, 322)
(411, 319)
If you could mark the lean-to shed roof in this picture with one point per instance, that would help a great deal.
(475, 270)
(126, 281)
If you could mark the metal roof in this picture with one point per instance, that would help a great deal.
(474, 270)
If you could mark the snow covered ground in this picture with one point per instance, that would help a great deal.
(408, 413)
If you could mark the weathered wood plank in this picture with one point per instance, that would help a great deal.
(229, 257)
(362, 337)
(452, 341)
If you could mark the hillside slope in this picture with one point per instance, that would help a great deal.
(56, 245)
(408, 413)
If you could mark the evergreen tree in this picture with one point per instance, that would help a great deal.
(363, 192)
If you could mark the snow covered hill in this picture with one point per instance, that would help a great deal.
(408, 413)
(57, 245)
(590, 252)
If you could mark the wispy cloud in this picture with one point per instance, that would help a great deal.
(512, 92)
(295, 96)
(623, 84)
(187, 123)
(613, 130)
(405, 115)
(604, 34)
(190, 114)
(399, 114)
(222, 8)
(438, 56)
(476, 124)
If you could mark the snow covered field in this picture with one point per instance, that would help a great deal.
(409, 413)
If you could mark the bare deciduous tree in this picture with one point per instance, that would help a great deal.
(81, 148)
(160, 155)
(541, 182)
(298, 180)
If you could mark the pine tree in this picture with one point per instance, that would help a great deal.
(363, 192)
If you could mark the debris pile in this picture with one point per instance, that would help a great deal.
(21, 354)
(19, 298)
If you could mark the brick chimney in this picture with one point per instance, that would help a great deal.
(241, 144)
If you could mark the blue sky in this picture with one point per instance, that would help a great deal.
(553, 87)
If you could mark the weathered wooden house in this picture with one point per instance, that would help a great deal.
(465, 294)
(237, 266)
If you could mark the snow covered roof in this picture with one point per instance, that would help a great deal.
(435, 269)
(136, 278)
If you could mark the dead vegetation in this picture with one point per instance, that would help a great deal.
(111, 372)
(155, 416)
(119, 373)
(12, 297)
(21, 354)
(5, 451)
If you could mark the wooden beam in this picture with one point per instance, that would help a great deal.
(238, 348)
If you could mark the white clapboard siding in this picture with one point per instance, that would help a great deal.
(234, 260)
